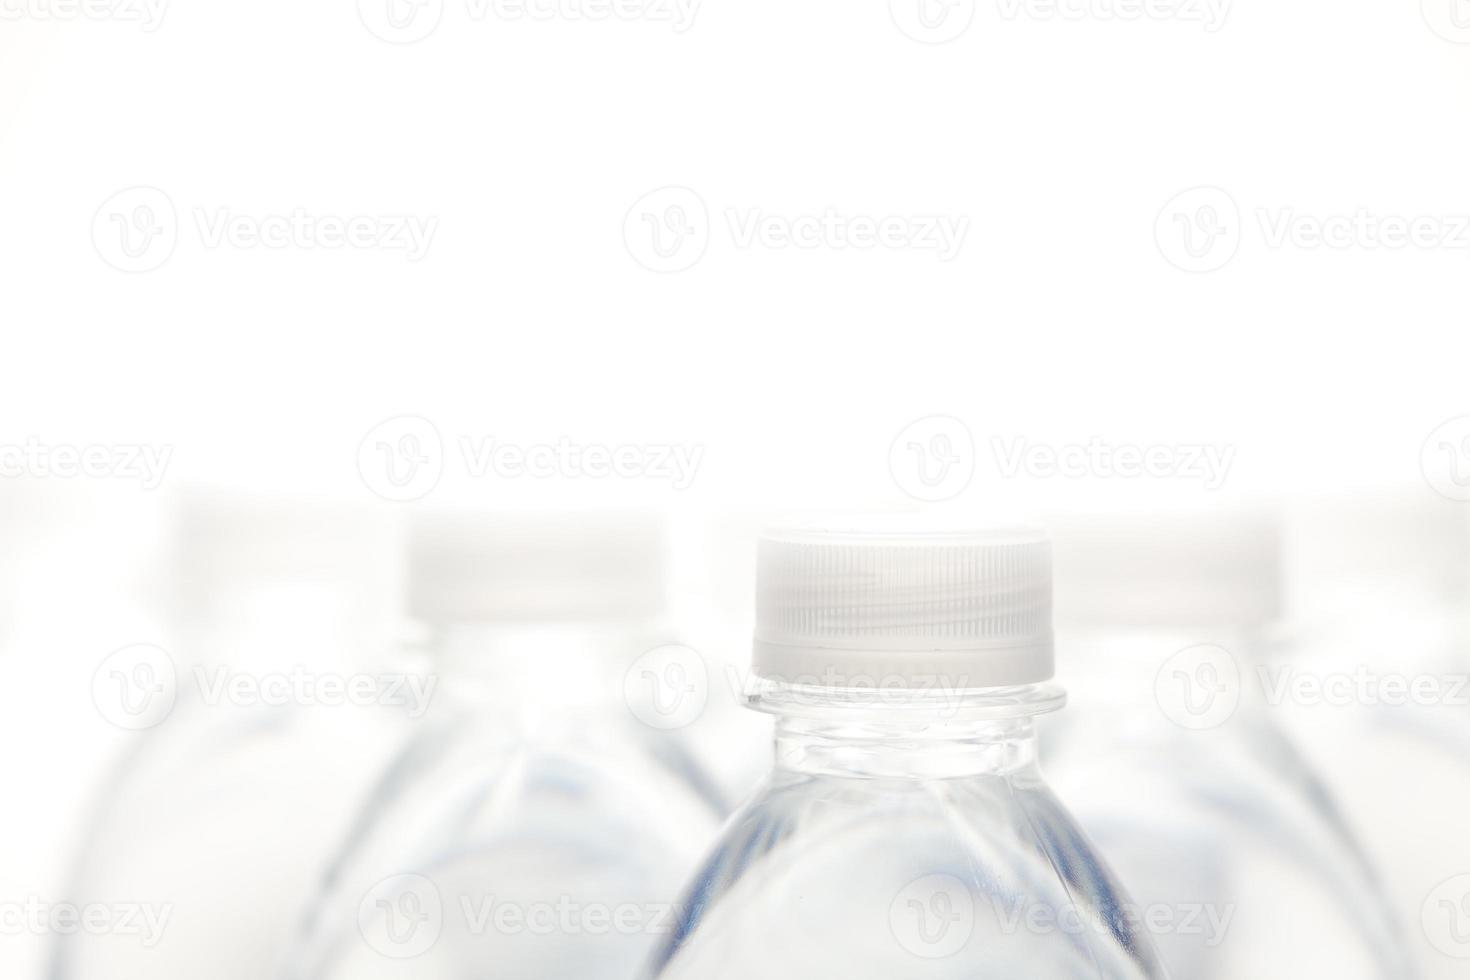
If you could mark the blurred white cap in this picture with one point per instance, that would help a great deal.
(1168, 569)
(1348, 553)
(239, 554)
(537, 566)
(857, 608)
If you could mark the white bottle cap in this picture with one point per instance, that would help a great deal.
(234, 548)
(269, 583)
(901, 608)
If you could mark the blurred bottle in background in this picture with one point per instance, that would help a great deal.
(257, 729)
(81, 575)
(1180, 773)
(905, 831)
(715, 558)
(542, 823)
(1374, 686)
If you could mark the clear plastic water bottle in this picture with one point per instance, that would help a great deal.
(906, 830)
(251, 746)
(1373, 684)
(539, 823)
(79, 578)
(1180, 770)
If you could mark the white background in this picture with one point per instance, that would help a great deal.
(529, 319)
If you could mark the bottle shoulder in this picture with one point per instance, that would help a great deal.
(978, 875)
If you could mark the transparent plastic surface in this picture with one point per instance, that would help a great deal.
(912, 839)
(1403, 777)
(215, 823)
(77, 580)
(1187, 782)
(1382, 710)
(216, 831)
(535, 828)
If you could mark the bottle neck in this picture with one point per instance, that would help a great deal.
(896, 734)
(959, 749)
